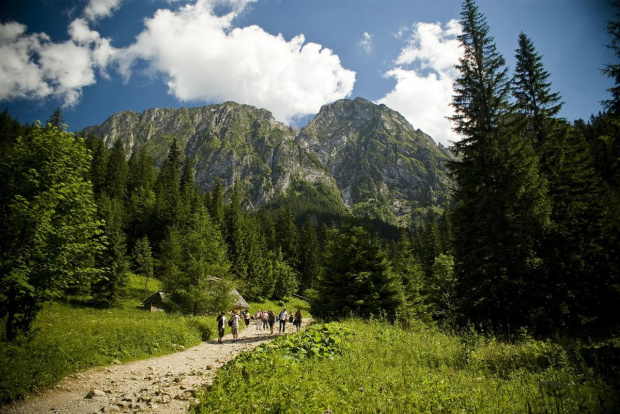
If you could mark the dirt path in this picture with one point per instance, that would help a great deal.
(163, 385)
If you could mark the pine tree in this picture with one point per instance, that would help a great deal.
(216, 207)
(234, 225)
(117, 172)
(203, 259)
(189, 193)
(259, 282)
(110, 288)
(141, 203)
(358, 278)
(99, 166)
(287, 237)
(309, 256)
(143, 261)
(57, 120)
(501, 206)
(167, 194)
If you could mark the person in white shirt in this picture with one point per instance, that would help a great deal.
(236, 319)
(282, 317)
(221, 326)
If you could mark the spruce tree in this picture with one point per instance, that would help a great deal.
(216, 206)
(501, 206)
(358, 279)
(110, 288)
(234, 225)
(309, 256)
(143, 261)
(117, 172)
(167, 194)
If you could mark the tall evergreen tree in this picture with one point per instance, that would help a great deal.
(141, 202)
(99, 165)
(117, 172)
(309, 256)
(501, 206)
(216, 207)
(287, 237)
(189, 193)
(358, 278)
(143, 261)
(57, 120)
(167, 193)
(111, 287)
(234, 224)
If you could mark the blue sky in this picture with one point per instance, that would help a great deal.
(97, 57)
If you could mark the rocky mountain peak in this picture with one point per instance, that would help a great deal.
(364, 156)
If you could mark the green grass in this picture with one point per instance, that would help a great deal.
(69, 337)
(387, 369)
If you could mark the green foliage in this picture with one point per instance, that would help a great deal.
(502, 208)
(48, 223)
(143, 260)
(357, 279)
(384, 368)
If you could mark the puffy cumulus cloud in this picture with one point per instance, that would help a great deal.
(366, 42)
(34, 67)
(424, 75)
(96, 9)
(204, 58)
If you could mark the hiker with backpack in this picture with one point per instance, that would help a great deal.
(265, 319)
(271, 318)
(297, 321)
(221, 324)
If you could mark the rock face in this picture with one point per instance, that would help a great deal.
(367, 154)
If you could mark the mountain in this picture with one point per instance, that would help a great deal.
(353, 155)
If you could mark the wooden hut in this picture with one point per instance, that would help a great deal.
(155, 302)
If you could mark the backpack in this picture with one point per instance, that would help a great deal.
(230, 322)
(220, 323)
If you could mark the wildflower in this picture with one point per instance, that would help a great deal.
(361, 389)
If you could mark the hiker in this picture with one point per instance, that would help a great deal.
(259, 319)
(271, 318)
(297, 321)
(265, 320)
(247, 318)
(291, 318)
(282, 317)
(235, 325)
(221, 324)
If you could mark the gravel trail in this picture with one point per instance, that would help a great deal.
(163, 385)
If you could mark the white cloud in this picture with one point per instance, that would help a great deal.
(100, 8)
(366, 42)
(34, 67)
(204, 58)
(424, 75)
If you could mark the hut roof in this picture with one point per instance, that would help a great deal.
(155, 297)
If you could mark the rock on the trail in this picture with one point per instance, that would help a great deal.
(94, 393)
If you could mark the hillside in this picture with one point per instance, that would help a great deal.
(353, 153)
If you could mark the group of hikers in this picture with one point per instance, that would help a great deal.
(264, 320)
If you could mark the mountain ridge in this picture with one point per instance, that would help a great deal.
(365, 156)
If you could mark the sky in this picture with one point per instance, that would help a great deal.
(94, 58)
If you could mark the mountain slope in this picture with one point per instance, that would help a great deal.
(354, 153)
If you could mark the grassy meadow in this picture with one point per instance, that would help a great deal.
(373, 367)
(69, 337)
